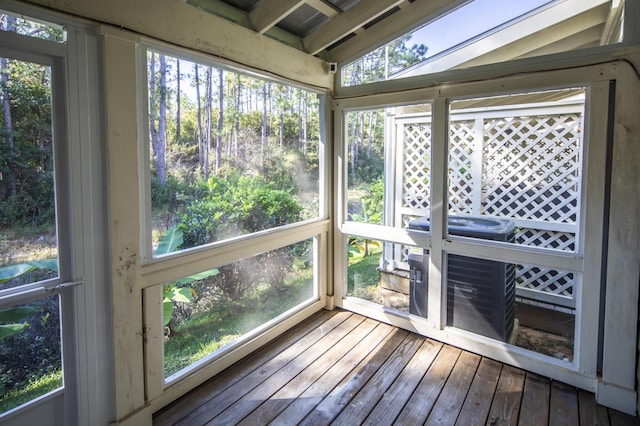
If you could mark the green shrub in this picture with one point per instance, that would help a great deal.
(235, 206)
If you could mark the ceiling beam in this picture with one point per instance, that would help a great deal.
(345, 23)
(410, 17)
(268, 13)
(324, 7)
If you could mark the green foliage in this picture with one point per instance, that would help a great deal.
(384, 61)
(235, 206)
(177, 291)
(26, 151)
(373, 202)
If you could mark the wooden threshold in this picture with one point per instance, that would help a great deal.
(342, 368)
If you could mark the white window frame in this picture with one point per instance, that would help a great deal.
(156, 271)
(83, 284)
(582, 372)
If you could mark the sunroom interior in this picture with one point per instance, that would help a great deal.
(465, 170)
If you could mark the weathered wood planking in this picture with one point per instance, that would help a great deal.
(505, 408)
(419, 406)
(175, 412)
(288, 393)
(478, 402)
(341, 368)
(535, 401)
(563, 405)
(253, 397)
(395, 398)
(309, 399)
(449, 403)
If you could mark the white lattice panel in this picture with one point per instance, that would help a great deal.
(461, 179)
(416, 166)
(532, 168)
(545, 280)
(523, 168)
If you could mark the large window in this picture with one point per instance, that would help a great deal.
(490, 31)
(230, 154)
(467, 217)
(236, 179)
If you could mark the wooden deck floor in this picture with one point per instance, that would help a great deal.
(342, 368)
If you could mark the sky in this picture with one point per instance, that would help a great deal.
(468, 21)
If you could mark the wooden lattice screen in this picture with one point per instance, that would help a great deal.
(518, 163)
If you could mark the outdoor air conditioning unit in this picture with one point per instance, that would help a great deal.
(480, 293)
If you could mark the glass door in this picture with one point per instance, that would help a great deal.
(36, 278)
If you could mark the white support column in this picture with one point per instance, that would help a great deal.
(121, 80)
(617, 386)
(436, 309)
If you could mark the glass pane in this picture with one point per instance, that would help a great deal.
(375, 276)
(32, 27)
(231, 154)
(28, 234)
(30, 352)
(516, 162)
(491, 31)
(209, 311)
(531, 309)
(372, 134)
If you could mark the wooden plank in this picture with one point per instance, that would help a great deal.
(590, 412)
(375, 388)
(339, 397)
(252, 398)
(269, 409)
(223, 400)
(392, 402)
(311, 397)
(535, 401)
(563, 406)
(506, 402)
(447, 407)
(478, 401)
(426, 394)
(176, 411)
(619, 418)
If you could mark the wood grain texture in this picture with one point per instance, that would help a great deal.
(505, 408)
(535, 400)
(341, 368)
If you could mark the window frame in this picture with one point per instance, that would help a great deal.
(159, 270)
(586, 263)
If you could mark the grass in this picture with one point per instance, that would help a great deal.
(223, 324)
(363, 276)
(31, 390)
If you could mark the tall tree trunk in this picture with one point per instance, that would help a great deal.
(8, 124)
(9, 25)
(178, 100)
(153, 110)
(238, 103)
(162, 123)
(372, 114)
(220, 118)
(199, 111)
(354, 137)
(209, 118)
(305, 110)
(264, 120)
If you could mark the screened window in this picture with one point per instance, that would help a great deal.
(490, 31)
(230, 154)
